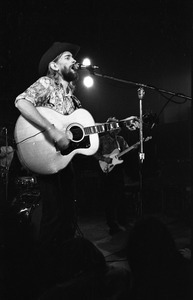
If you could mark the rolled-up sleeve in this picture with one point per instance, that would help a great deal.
(36, 92)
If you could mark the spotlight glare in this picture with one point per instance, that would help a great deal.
(86, 62)
(88, 81)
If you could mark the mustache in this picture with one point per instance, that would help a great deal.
(75, 67)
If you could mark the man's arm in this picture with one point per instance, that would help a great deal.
(29, 111)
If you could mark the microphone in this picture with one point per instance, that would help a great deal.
(79, 66)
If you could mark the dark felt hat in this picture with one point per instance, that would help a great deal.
(56, 49)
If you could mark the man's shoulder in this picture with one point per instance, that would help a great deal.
(45, 81)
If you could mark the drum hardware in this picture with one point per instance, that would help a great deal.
(27, 197)
(3, 175)
(29, 215)
(25, 205)
(3, 172)
(25, 211)
(25, 182)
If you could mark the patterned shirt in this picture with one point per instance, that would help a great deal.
(48, 92)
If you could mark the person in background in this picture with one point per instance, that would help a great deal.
(112, 176)
(6, 160)
(6, 156)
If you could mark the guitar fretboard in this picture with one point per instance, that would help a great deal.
(101, 128)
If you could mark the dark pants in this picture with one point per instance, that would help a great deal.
(57, 196)
(112, 186)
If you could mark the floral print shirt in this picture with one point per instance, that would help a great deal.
(48, 92)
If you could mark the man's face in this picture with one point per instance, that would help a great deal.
(114, 133)
(65, 65)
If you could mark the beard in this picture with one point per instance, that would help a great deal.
(69, 74)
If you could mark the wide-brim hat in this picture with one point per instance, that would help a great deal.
(56, 49)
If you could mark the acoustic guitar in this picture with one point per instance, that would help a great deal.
(40, 155)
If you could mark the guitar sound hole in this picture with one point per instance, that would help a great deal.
(77, 133)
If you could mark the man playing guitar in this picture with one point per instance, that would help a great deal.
(112, 179)
(54, 90)
(50, 113)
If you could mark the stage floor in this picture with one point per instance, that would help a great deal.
(93, 227)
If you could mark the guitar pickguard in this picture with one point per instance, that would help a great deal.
(83, 144)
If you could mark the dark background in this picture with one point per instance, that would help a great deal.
(146, 42)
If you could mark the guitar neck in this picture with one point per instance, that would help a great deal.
(128, 149)
(100, 128)
(133, 146)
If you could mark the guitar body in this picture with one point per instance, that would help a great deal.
(115, 154)
(106, 168)
(39, 154)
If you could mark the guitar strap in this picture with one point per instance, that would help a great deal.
(118, 145)
(76, 102)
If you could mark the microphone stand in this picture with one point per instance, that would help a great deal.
(143, 85)
(141, 94)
